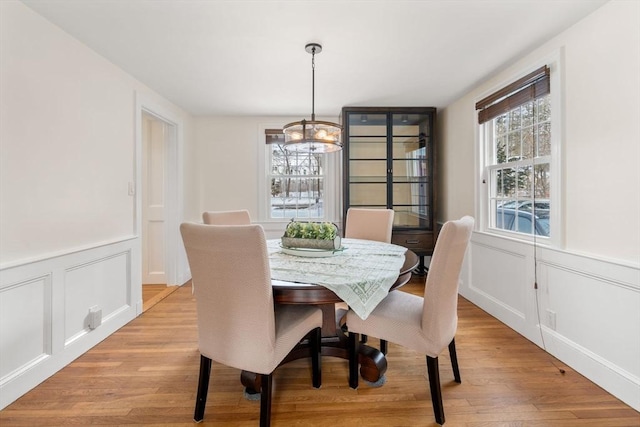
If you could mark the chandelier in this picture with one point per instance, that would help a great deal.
(312, 136)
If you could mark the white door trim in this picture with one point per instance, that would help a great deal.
(174, 253)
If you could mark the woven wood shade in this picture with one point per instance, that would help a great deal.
(532, 86)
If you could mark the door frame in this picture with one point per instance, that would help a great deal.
(175, 257)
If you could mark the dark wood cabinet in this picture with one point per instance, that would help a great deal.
(389, 162)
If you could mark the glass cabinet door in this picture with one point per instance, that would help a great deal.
(368, 168)
(411, 170)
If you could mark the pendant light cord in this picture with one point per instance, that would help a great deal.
(313, 83)
(535, 256)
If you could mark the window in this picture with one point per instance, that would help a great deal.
(516, 130)
(296, 181)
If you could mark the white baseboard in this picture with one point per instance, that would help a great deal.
(607, 375)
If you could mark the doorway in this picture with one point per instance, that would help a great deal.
(159, 256)
(155, 140)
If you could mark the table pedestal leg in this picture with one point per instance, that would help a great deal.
(420, 270)
(373, 363)
(251, 381)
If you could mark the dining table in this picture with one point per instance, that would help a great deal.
(359, 274)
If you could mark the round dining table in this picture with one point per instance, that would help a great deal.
(373, 363)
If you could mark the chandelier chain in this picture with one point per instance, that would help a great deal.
(313, 83)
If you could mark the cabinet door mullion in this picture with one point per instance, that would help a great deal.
(389, 161)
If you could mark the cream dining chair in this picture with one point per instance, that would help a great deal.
(238, 324)
(369, 224)
(239, 217)
(426, 324)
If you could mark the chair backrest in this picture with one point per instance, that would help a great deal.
(369, 224)
(234, 298)
(239, 217)
(440, 314)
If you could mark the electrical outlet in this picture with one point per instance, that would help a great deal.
(551, 319)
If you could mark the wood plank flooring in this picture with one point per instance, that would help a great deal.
(147, 372)
(153, 294)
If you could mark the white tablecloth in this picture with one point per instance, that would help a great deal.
(361, 274)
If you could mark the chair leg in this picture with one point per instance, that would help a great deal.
(384, 347)
(364, 338)
(434, 384)
(265, 400)
(353, 360)
(316, 357)
(203, 387)
(454, 361)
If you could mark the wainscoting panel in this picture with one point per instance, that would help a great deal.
(585, 311)
(103, 283)
(44, 307)
(27, 308)
(593, 308)
(496, 273)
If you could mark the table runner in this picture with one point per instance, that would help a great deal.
(361, 274)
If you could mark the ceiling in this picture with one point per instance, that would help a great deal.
(245, 57)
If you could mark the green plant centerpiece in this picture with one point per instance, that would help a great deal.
(311, 235)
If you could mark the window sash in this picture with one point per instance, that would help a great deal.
(297, 205)
(523, 187)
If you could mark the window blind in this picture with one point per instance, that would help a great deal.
(533, 85)
(274, 136)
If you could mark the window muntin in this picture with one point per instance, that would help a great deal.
(518, 168)
(297, 184)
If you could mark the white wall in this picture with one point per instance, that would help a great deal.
(228, 152)
(226, 163)
(68, 127)
(62, 105)
(69, 238)
(593, 283)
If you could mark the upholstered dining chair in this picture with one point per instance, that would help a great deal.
(370, 224)
(425, 324)
(239, 217)
(238, 324)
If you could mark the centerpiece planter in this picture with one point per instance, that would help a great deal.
(311, 235)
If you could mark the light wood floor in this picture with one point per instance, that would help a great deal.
(153, 294)
(146, 374)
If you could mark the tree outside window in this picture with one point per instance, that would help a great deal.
(297, 184)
